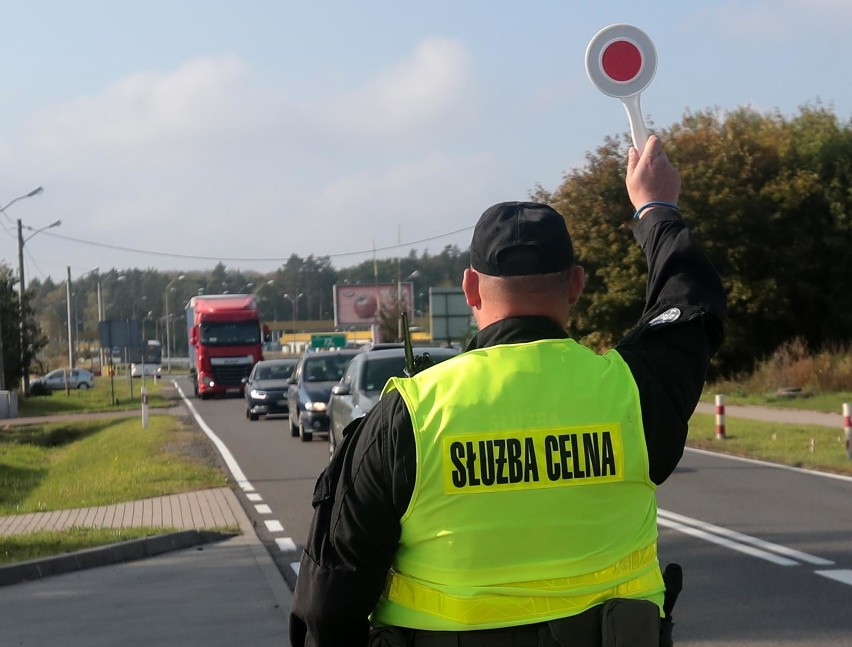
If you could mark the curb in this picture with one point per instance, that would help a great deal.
(119, 553)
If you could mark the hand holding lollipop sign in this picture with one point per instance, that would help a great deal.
(621, 61)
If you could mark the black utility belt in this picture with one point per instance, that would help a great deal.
(616, 622)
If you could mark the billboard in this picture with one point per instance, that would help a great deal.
(359, 304)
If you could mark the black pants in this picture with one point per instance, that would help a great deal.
(616, 623)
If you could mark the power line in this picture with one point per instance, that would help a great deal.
(150, 252)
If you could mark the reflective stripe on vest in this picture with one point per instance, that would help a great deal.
(532, 499)
(468, 612)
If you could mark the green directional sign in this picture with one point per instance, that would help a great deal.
(319, 342)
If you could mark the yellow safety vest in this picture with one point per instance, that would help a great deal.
(532, 500)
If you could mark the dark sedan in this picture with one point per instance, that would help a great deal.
(362, 384)
(266, 387)
(310, 389)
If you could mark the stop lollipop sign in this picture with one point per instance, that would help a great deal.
(621, 62)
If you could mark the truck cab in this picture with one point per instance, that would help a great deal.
(225, 342)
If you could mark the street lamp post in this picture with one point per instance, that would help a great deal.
(260, 297)
(32, 193)
(25, 369)
(293, 302)
(168, 335)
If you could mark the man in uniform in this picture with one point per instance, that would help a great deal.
(506, 496)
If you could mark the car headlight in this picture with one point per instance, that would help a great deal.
(207, 381)
(258, 395)
(315, 406)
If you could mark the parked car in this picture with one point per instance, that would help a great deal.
(78, 378)
(362, 384)
(310, 388)
(266, 387)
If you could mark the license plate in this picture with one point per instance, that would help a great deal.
(232, 391)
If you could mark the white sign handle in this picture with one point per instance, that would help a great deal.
(638, 131)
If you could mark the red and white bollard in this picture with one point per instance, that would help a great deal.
(847, 428)
(720, 417)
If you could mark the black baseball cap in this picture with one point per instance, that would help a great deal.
(520, 239)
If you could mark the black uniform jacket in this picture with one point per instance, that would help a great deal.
(361, 496)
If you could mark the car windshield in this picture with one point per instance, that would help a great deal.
(327, 368)
(378, 372)
(274, 372)
(230, 334)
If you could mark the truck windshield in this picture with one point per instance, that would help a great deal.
(230, 334)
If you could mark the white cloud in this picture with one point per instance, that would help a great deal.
(207, 159)
(150, 117)
(377, 205)
(419, 91)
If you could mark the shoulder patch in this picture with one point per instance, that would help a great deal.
(672, 314)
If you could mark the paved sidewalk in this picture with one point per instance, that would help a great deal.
(768, 414)
(87, 415)
(201, 510)
(187, 520)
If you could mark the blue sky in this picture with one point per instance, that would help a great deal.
(246, 132)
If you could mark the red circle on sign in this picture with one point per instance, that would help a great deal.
(621, 60)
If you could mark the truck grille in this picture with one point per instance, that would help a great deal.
(231, 375)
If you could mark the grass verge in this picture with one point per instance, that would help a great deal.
(89, 463)
(100, 398)
(825, 402)
(808, 446)
(37, 545)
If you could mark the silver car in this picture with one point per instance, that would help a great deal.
(362, 383)
(78, 378)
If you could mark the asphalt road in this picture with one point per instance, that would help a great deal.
(766, 551)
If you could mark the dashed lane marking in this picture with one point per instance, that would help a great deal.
(285, 544)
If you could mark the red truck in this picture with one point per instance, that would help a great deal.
(224, 342)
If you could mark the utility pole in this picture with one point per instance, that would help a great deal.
(68, 316)
(25, 370)
(2, 363)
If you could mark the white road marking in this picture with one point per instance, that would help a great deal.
(230, 461)
(709, 532)
(285, 544)
(842, 576)
(727, 543)
(274, 525)
(754, 461)
(765, 547)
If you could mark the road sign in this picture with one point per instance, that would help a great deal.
(319, 342)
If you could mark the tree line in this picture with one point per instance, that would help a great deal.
(767, 195)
